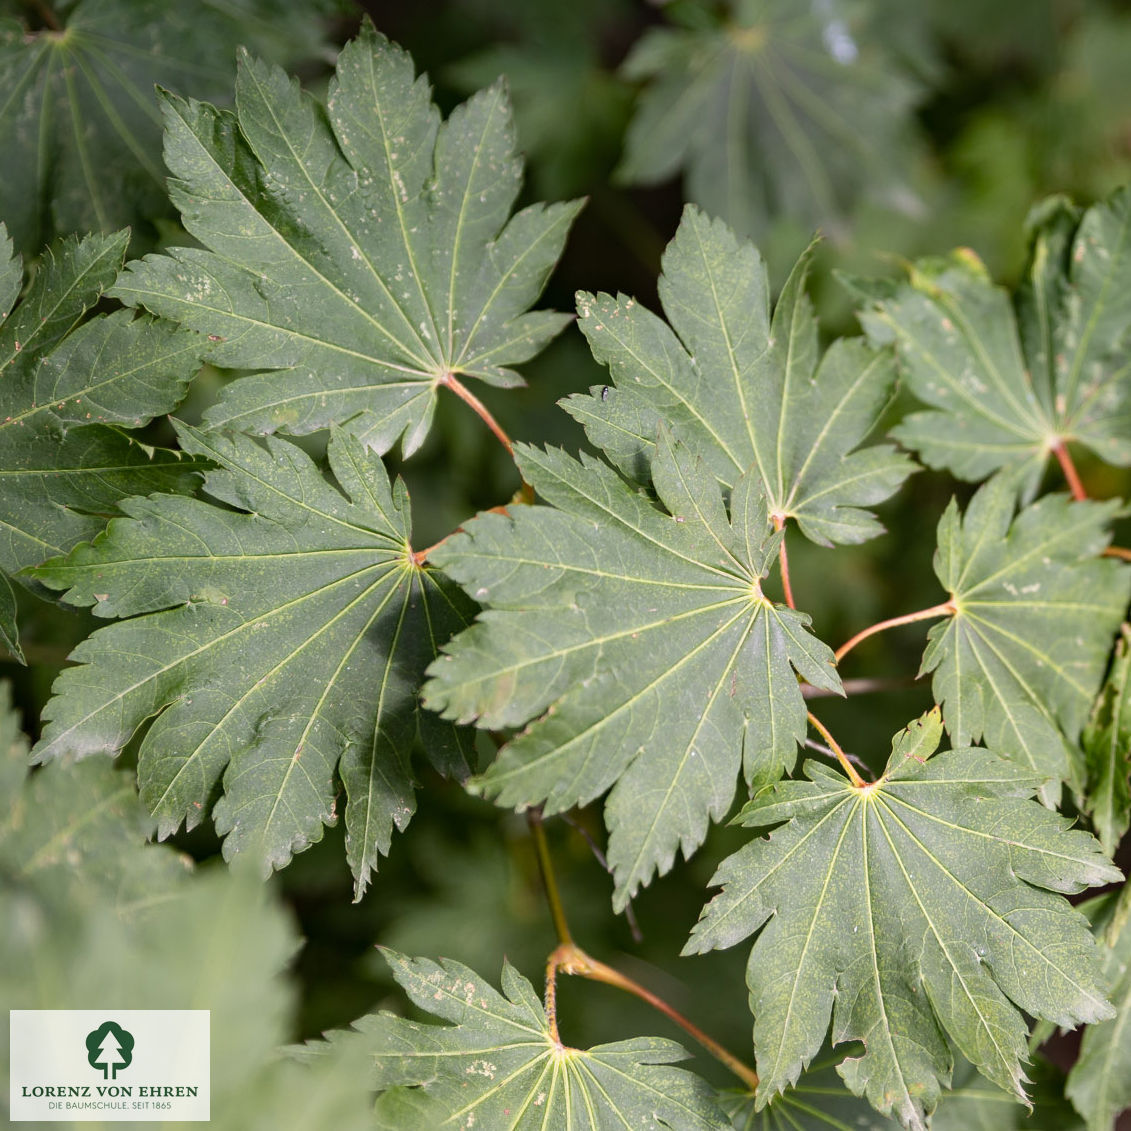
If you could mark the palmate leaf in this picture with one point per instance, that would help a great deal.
(1099, 1084)
(740, 389)
(79, 125)
(1009, 381)
(781, 110)
(278, 638)
(498, 1065)
(62, 467)
(360, 251)
(916, 912)
(67, 393)
(1107, 752)
(1020, 661)
(643, 640)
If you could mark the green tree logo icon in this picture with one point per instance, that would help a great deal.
(109, 1047)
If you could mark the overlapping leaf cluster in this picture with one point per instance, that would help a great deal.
(275, 634)
(1010, 378)
(641, 635)
(69, 394)
(603, 643)
(1036, 610)
(643, 638)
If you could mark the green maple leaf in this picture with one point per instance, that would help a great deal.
(1107, 752)
(1099, 1084)
(780, 110)
(1020, 661)
(643, 641)
(1008, 382)
(360, 252)
(917, 912)
(68, 391)
(740, 389)
(278, 637)
(498, 1064)
(79, 125)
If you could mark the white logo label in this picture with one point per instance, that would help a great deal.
(110, 1065)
